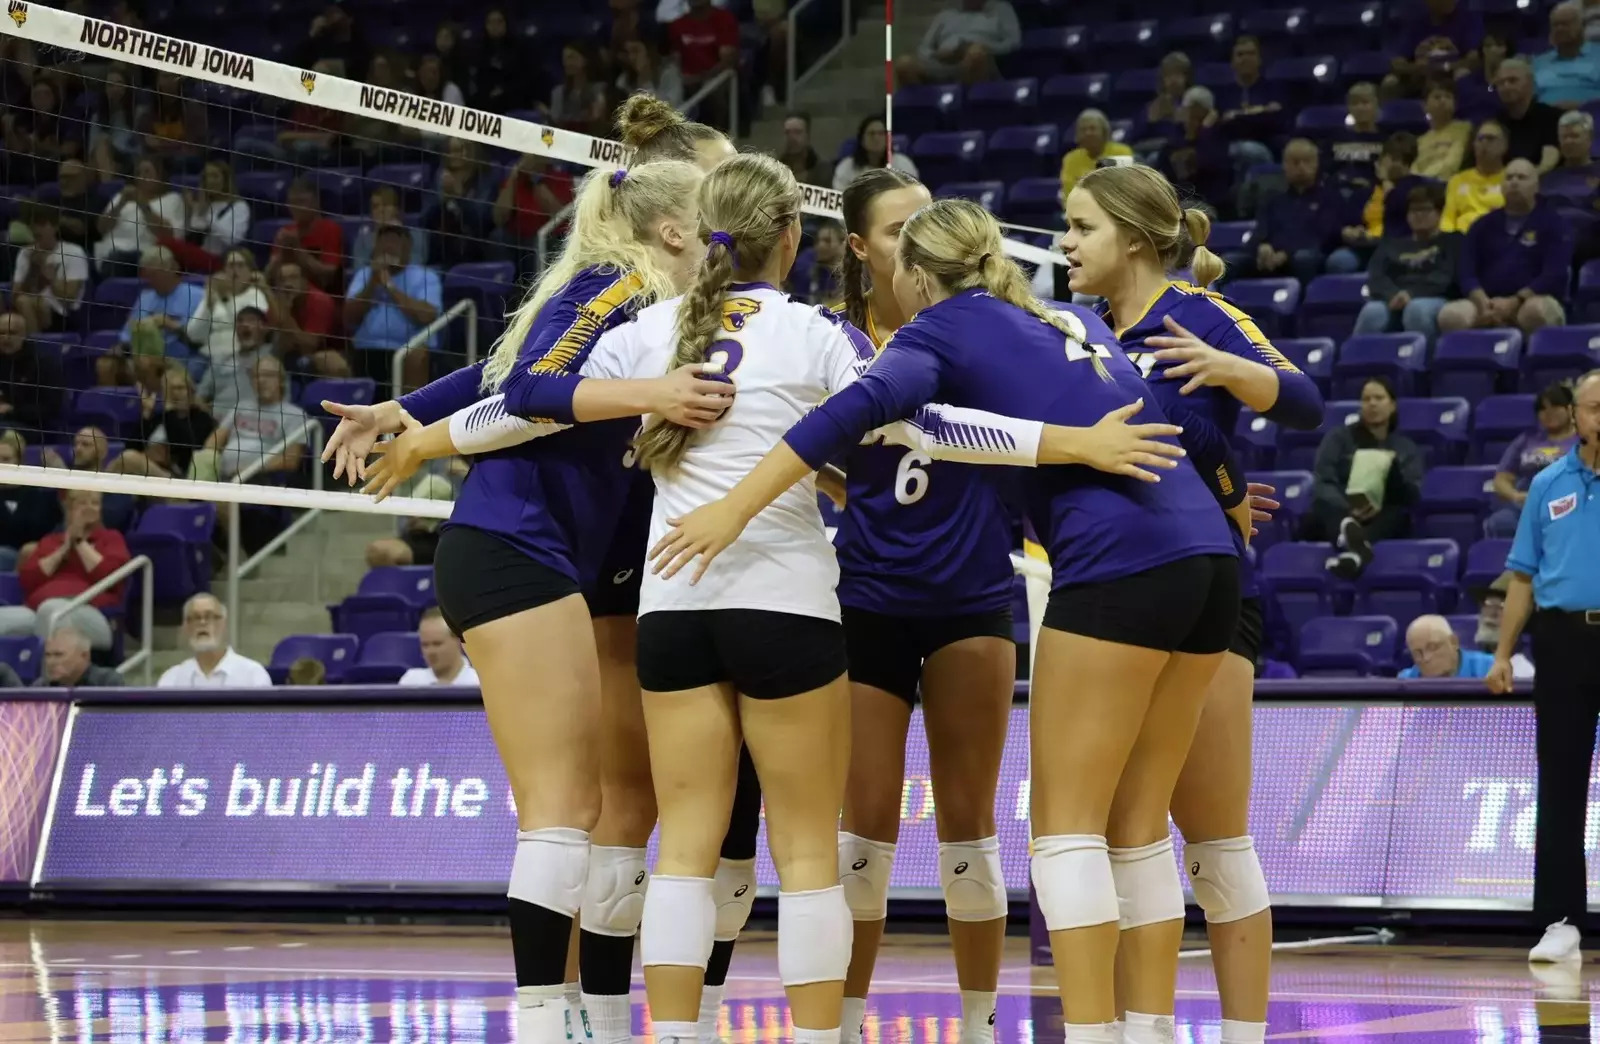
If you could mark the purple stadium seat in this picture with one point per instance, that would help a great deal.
(1403, 114)
(340, 189)
(23, 655)
(1365, 65)
(1586, 301)
(1474, 364)
(1438, 426)
(1204, 38)
(1294, 494)
(1344, 28)
(1496, 421)
(412, 584)
(1255, 440)
(1486, 560)
(1132, 88)
(1408, 578)
(1401, 357)
(997, 103)
(954, 156)
(351, 390)
(364, 615)
(336, 651)
(1276, 24)
(1559, 352)
(180, 564)
(114, 410)
(990, 195)
(108, 305)
(1306, 79)
(1024, 152)
(11, 592)
(265, 190)
(264, 233)
(1454, 503)
(1344, 646)
(1228, 237)
(1036, 202)
(1297, 450)
(1271, 302)
(1321, 121)
(1295, 583)
(927, 109)
(385, 657)
(409, 178)
(1465, 629)
(77, 360)
(1331, 304)
(1045, 52)
(1214, 74)
(1135, 43)
(1313, 355)
(1068, 95)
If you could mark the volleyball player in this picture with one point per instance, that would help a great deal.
(1146, 591)
(925, 589)
(1126, 231)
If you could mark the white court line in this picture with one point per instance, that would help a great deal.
(404, 973)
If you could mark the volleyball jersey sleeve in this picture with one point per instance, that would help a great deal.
(550, 361)
(902, 380)
(1228, 328)
(458, 390)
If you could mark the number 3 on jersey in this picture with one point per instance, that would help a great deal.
(727, 352)
(910, 481)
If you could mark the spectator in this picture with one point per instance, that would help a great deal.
(1410, 278)
(1532, 127)
(33, 136)
(214, 325)
(705, 42)
(1177, 76)
(628, 22)
(374, 139)
(156, 330)
(818, 283)
(76, 204)
(1530, 453)
(47, 285)
(1297, 230)
(217, 220)
(1475, 90)
(334, 38)
(1384, 213)
(1439, 41)
(313, 131)
(797, 153)
(1491, 606)
(228, 381)
(501, 77)
(646, 69)
(27, 513)
(262, 430)
(91, 451)
(385, 204)
(65, 564)
(176, 125)
(456, 219)
(447, 46)
(1477, 190)
(529, 196)
(442, 651)
(1367, 478)
(419, 537)
(114, 140)
(135, 216)
(1252, 110)
(870, 153)
(31, 382)
(306, 320)
(1514, 262)
(67, 664)
(962, 44)
(214, 664)
(1196, 159)
(1436, 652)
(177, 424)
(387, 306)
(1574, 178)
(9, 679)
(1354, 148)
(433, 82)
(311, 239)
(1093, 143)
(1567, 75)
(1442, 149)
(307, 670)
(578, 102)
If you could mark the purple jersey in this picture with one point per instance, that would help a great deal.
(556, 499)
(973, 350)
(1208, 415)
(921, 537)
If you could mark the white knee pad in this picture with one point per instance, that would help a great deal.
(1072, 876)
(864, 867)
(1227, 878)
(680, 920)
(735, 894)
(550, 868)
(815, 933)
(613, 898)
(1149, 890)
(974, 885)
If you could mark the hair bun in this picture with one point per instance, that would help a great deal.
(643, 116)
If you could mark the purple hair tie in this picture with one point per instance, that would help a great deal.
(618, 177)
(726, 239)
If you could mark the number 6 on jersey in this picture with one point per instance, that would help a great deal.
(910, 481)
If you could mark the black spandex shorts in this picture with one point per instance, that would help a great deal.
(1187, 606)
(615, 588)
(765, 655)
(1249, 635)
(886, 652)
(480, 578)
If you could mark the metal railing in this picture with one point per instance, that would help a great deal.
(137, 564)
(795, 77)
(726, 80)
(238, 570)
(466, 306)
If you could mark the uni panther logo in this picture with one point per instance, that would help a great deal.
(308, 81)
(18, 12)
(736, 311)
(547, 136)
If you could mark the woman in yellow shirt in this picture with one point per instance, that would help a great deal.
(1476, 191)
(1094, 144)
(1442, 149)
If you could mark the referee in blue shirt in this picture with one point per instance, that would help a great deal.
(1555, 582)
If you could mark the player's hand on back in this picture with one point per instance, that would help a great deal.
(1115, 446)
(694, 396)
(703, 533)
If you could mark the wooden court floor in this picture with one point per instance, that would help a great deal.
(85, 982)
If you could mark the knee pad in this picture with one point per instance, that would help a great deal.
(550, 868)
(864, 867)
(1072, 877)
(1149, 890)
(735, 893)
(680, 919)
(973, 883)
(1227, 878)
(613, 898)
(815, 933)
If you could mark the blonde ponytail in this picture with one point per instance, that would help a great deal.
(613, 228)
(1205, 266)
(1143, 203)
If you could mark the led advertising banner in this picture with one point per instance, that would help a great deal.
(30, 738)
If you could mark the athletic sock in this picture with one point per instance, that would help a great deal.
(852, 1015)
(711, 1008)
(977, 1017)
(1140, 1028)
(675, 1032)
(1236, 1032)
(541, 1015)
(816, 1036)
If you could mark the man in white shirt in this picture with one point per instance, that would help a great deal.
(446, 663)
(50, 276)
(214, 665)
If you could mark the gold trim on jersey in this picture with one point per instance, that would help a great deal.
(592, 315)
(1240, 318)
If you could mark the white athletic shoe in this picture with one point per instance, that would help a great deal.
(1560, 943)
